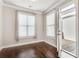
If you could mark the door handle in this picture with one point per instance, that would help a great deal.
(58, 34)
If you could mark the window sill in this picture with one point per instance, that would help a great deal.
(29, 37)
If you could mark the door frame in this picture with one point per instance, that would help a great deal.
(77, 24)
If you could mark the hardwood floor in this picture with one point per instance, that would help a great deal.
(37, 50)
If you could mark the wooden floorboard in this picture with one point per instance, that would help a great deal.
(36, 50)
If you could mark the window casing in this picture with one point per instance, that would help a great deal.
(26, 25)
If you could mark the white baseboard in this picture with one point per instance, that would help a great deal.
(19, 44)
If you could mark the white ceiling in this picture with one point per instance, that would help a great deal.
(40, 5)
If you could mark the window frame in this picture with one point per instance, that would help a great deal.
(17, 26)
(54, 25)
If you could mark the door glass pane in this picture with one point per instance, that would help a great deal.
(69, 33)
(31, 31)
(68, 20)
(69, 28)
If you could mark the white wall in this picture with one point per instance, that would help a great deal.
(0, 22)
(39, 22)
(9, 21)
(8, 26)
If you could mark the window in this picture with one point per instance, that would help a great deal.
(50, 25)
(26, 25)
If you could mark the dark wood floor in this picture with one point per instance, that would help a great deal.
(37, 50)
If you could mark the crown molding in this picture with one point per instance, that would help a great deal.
(55, 6)
(16, 7)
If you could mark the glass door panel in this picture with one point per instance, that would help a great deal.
(68, 28)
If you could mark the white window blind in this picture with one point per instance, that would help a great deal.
(50, 25)
(26, 25)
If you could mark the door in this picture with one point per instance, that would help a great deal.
(67, 29)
